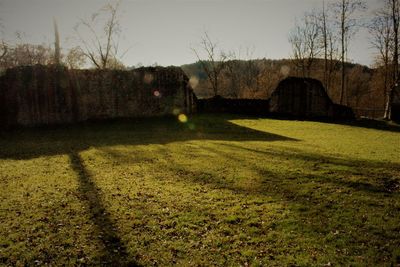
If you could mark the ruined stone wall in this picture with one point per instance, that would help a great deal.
(35, 95)
(305, 98)
(300, 97)
(219, 104)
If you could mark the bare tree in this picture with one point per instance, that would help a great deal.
(27, 54)
(345, 10)
(213, 63)
(395, 14)
(101, 42)
(251, 71)
(324, 31)
(75, 58)
(358, 77)
(395, 17)
(328, 44)
(243, 73)
(3, 49)
(3, 44)
(271, 74)
(304, 40)
(232, 67)
(384, 29)
(381, 30)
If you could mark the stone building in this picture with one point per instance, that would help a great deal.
(37, 95)
(305, 98)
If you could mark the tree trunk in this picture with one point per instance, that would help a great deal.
(343, 52)
(324, 32)
(395, 14)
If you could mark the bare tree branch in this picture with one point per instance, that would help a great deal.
(213, 64)
(304, 39)
(101, 45)
(348, 25)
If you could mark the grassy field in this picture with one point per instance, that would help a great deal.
(217, 190)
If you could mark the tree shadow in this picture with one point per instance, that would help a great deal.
(371, 124)
(341, 206)
(315, 157)
(386, 185)
(114, 253)
(71, 140)
(23, 144)
(59, 140)
(375, 124)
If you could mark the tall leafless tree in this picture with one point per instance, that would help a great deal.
(395, 17)
(212, 63)
(101, 41)
(3, 49)
(381, 30)
(3, 44)
(304, 41)
(324, 31)
(384, 29)
(75, 58)
(232, 67)
(251, 71)
(348, 25)
(328, 44)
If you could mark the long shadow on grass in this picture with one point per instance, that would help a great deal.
(372, 124)
(322, 205)
(33, 143)
(385, 182)
(114, 252)
(346, 199)
(376, 124)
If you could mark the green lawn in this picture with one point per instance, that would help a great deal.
(217, 190)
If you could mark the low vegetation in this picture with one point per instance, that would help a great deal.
(216, 190)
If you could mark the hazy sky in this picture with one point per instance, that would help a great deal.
(163, 31)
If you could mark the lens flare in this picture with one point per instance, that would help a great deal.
(182, 118)
(193, 81)
(157, 93)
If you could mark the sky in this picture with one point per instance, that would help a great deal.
(164, 32)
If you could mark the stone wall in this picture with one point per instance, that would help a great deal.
(219, 104)
(305, 98)
(299, 98)
(35, 95)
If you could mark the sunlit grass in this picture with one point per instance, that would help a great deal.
(224, 191)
